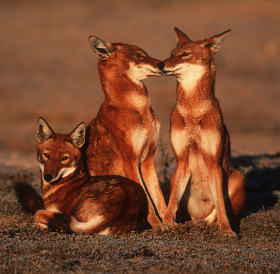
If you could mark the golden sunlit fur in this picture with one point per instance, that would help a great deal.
(123, 136)
(204, 183)
(73, 201)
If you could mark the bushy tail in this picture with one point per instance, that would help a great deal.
(60, 223)
(28, 197)
(64, 223)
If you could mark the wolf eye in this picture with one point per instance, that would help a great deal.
(64, 158)
(186, 54)
(138, 55)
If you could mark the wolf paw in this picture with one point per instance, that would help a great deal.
(161, 228)
(230, 234)
(198, 222)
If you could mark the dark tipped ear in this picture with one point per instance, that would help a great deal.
(182, 38)
(44, 131)
(100, 47)
(77, 136)
(214, 43)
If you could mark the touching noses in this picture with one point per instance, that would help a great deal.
(161, 65)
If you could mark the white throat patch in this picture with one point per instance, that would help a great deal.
(190, 76)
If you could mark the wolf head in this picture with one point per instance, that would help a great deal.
(58, 154)
(127, 60)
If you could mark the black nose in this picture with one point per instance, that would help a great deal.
(48, 177)
(161, 65)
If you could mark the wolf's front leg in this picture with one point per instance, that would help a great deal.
(151, 182)
(132, 171)
(178, 184)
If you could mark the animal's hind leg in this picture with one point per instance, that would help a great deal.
(236, 191)
(216, 180)
(212, 217)
(234, 198)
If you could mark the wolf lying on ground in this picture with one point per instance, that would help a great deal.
(73, 201)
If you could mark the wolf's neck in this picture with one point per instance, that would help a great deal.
(121, 91)
(78, 176)
(196, 84)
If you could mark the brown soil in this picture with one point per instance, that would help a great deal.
(186, 248)
(48, 69)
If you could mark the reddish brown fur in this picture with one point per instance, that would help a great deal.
(100, 204)
(123, 136)
(203, 179)
(121, 201)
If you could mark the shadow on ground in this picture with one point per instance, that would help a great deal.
(262, 174)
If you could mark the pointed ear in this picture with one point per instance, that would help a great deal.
(77, 136)
(214, 43)
(44, 131)
(182, 38)
(100, 47)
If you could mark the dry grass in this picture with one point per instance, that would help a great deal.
(186, 248)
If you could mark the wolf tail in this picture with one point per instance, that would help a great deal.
(64, 223)
(28, 197)
(60, 222)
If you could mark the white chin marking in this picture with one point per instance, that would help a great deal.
(140, 72)
(64, 172)
(190, 76)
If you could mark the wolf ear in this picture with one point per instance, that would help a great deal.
(100, 47)
(44, 131)
(77, 136)
(214, 43)
(182, 38)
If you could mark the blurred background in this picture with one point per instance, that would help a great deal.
(48, 69)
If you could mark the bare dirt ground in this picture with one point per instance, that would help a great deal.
(187, 248)
(48, 69)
